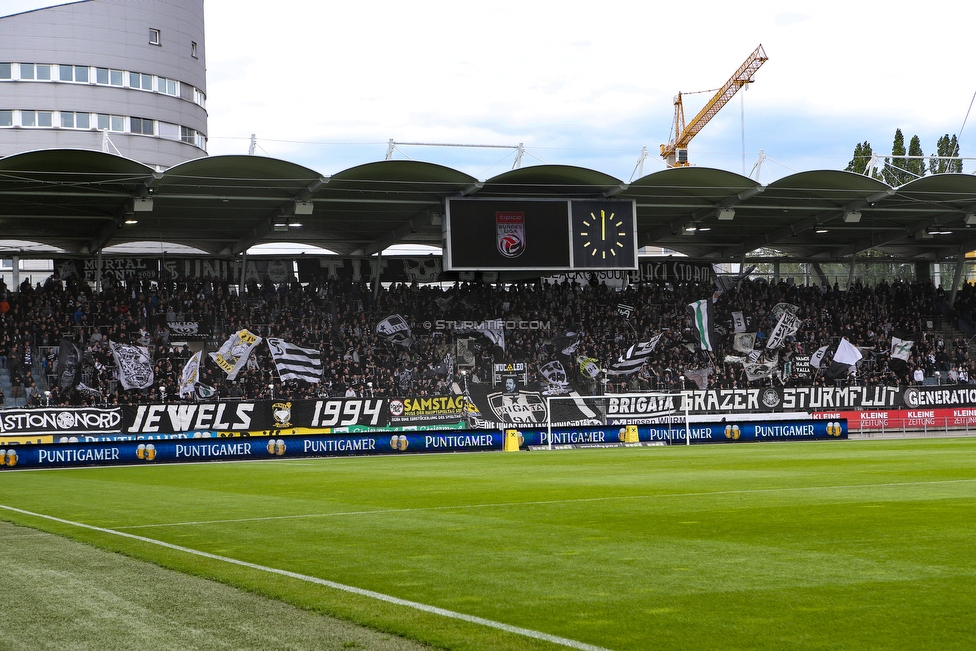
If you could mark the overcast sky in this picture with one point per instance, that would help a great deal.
(327, 84)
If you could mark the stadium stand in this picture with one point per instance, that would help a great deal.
(340, 320)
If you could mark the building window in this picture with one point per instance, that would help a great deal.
(199, 98)
(43, 72)
(27, 119)
(186, 135)
(153, 36)
(73, 73)
(193, 49)
(108, 76)
(4, 71)
(26, 70)
(111, 122)
(45, 119)
(6, 118)
(71, 120)
(169, 131)
(139, 80)
(167, 86)
(141, 125)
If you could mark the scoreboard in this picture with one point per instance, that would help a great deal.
(545, 234)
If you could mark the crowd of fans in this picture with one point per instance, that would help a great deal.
(340, 319)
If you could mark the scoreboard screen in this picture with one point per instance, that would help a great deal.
(543, 234)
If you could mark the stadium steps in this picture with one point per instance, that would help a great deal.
(9, 400)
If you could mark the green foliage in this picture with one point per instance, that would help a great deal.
(807, 545)
(946, 146)
(894, 169)
(862, 154)
(915, 165)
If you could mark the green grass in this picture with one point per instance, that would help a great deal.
(832, 545)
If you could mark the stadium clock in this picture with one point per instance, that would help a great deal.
(603, 235)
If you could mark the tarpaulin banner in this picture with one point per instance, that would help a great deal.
(60, 420)
(255, 415)
(899, 419)
(425, 411)
(183, 450)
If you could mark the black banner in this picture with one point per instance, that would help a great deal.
(60, 420)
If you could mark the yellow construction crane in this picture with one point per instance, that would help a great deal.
(676, 151)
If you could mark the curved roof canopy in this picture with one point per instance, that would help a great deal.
(84, 201)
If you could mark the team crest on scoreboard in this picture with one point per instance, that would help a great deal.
(510, 233)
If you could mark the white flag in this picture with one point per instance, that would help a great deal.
(233, 355)
(134, 367)
(847, 353)
(294, 362)
(191, 374)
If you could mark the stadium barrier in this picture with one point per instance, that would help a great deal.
(182, 449)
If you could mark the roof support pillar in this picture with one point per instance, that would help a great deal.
(820, 274)
(956, 277)
(379, 272)
(850, 272)
(15, 275)
(98, 272)
(240, 284)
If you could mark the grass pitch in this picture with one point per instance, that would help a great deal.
(811, 545)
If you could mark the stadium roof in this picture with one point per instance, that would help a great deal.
(81, 202)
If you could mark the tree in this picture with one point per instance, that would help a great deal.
(946, 147)
(895, 175)
(915, 165)
(862, 154)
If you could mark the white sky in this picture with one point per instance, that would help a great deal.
(327, 84)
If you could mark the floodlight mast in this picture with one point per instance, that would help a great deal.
(675, 153)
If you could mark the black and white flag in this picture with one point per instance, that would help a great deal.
(69, 365)
(190, 376)
(295, 362)
(134, 366)
(759, 371)
(816, 360)
(739, 322)
(787, 325)
(634, 357)
(744, 342)
(901, 349)
(396, 330)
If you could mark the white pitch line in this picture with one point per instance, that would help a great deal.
(517, 630)
(421, 509)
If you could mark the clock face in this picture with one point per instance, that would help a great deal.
(603, 235)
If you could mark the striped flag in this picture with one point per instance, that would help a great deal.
(633, 358)
(294, 362)
(704, 322)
